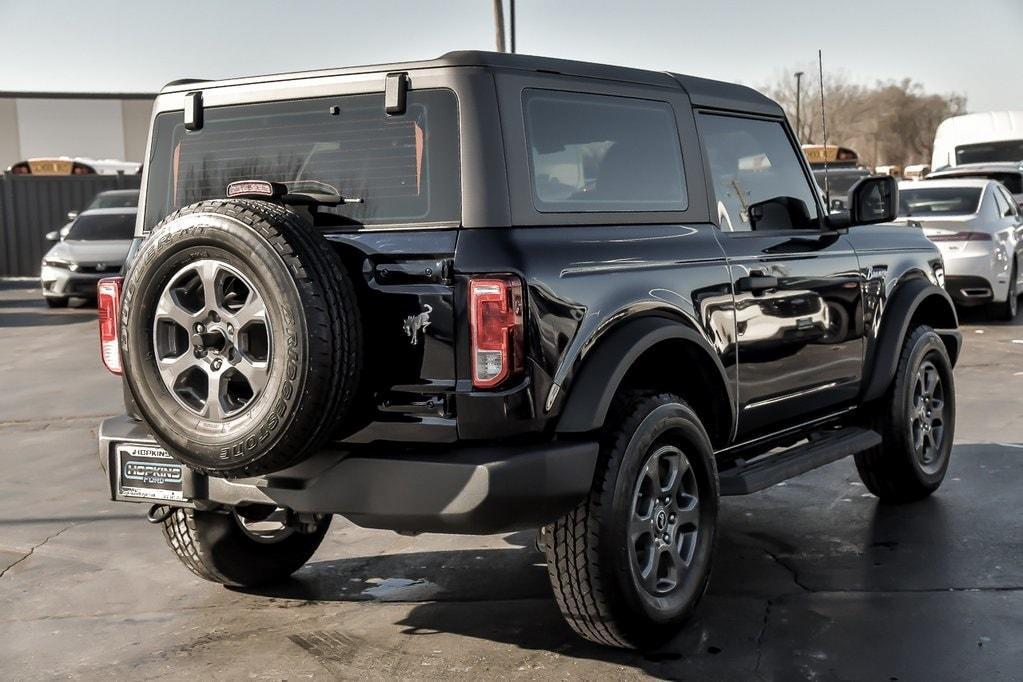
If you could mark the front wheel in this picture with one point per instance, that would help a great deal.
(241, 551)
(630, 563)
(916, 421)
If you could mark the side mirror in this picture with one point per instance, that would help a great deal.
(871, 200)
(71, 215)
(52, 236)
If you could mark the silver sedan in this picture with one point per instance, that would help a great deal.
(978, 227)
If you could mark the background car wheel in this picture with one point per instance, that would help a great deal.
(56, 302)
(224, 547)
(630, 563)
(916, 421)
(241, 338)
(1006, 310)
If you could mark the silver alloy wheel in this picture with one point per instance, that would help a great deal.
(927, 425)
(212, 340)
(664, 523)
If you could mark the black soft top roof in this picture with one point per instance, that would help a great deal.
(702, 92)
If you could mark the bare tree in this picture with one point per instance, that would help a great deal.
(890, 122)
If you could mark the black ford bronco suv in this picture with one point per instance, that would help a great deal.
(493, 292)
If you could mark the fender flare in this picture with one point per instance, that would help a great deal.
(597, 380)
(881, 364)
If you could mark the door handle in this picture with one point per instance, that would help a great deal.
(756, 283)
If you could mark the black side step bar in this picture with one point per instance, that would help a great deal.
(766, 471)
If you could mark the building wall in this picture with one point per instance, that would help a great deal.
(92, 126)
(135, 114)
(10, 148)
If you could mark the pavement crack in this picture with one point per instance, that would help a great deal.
(34, 547)
(788, 567)
(760, 638)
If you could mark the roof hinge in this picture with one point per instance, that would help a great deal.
(193, 111)
(395, 88)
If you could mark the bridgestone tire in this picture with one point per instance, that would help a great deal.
(214, 547)
(591, 570)
(313, 332)
(893, 470)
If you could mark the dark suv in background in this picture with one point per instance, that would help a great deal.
(491, 292)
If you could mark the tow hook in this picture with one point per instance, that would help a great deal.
(159, 513)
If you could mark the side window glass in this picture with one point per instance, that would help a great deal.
(758, 181)
(1011, 209)
(602, 153)
(1002, 206)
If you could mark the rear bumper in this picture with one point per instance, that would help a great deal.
(967, 290)
(471, 490)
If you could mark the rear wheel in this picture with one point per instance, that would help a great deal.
(55, 302)
(243, 551)
(630, 563)
(916, 421)
(1007, 309)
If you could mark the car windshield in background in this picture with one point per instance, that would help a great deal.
(114, 200)
(938, 201)
(403, 169)
(839, 183)
(102, 227)
(1000, 150)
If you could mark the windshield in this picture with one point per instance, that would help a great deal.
(114, 200)
(984, 152)
(839, 183)
(98, 227)
(401, 169)
(938, 201)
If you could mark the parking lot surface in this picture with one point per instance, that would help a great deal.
(813, 578)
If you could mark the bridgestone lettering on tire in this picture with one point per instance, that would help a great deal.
(241, 338)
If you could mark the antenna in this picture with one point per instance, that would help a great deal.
(824, 131)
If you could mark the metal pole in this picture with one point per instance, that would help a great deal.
(499, 24)
(799, 135)
(511, 21)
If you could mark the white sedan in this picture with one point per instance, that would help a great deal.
(978, 228)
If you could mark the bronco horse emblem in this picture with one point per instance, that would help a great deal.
(417, 323)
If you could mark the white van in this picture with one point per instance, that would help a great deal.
(975, 138)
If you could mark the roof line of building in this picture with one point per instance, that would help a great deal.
(37, 94)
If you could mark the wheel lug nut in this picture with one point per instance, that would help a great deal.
(216, 364)
(200, 327)
(671, 518)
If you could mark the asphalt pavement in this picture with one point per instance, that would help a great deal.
(814, 579)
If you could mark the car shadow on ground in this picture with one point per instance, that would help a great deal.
(30, 310)
(503, 595)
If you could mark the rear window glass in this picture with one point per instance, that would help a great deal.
(602, 153)
(102, 227)
(398, 169)
(938, 201)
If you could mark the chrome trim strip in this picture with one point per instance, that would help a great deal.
(789, 396)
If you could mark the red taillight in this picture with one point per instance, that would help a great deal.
(495, 319)
(108, 303)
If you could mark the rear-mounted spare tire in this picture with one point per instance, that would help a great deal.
(241, 338)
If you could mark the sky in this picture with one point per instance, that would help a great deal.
(970, 47)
